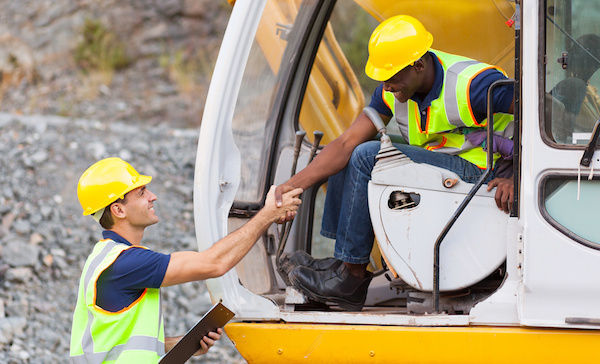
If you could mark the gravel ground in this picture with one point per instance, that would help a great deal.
(44, 239)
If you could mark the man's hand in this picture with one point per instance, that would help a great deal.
(505, 192)
(205, 343)
(279, 191)
(287, 205)
(208, 341)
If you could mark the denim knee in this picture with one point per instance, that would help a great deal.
(363, 157)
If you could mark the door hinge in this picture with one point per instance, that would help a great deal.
(520, 254)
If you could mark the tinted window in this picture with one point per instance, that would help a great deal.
(572, 80)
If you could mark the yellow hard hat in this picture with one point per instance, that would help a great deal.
(396, 43)
(105, 182)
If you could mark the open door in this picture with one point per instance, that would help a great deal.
(561, 241)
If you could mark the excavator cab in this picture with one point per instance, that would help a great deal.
(451, 269)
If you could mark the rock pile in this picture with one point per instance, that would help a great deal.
(44, 239)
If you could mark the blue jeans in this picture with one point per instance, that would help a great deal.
(346, 215)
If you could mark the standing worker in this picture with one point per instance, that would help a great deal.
(118, 315)
(440, 102)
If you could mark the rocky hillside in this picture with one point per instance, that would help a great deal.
(44, 239)
(81, 80)
(145, 61)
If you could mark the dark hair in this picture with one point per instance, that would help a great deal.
(107, 221)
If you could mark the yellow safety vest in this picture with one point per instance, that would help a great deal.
(134, 334)
(449, 114)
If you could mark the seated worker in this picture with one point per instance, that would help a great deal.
(118, 315)
(440, 103)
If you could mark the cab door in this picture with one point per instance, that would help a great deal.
(279, 70)
(560, 246)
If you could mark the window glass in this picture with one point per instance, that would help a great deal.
(322, 247)
(572, 80)
(251, 130)
(334, 94)
(337, 90)
(572, 206)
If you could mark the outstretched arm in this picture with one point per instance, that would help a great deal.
(226, 253)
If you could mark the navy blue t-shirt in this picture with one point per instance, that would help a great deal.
(503, 95)
(132, 272)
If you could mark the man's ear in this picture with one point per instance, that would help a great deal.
(117, 210)
(419, 65)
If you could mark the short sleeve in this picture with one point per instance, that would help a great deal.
(138, 268)
(503, 94)
(377, 102)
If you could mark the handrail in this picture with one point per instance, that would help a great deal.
(463, 205)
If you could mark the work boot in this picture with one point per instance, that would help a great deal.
(334, 285)
(287, 262)
(302, 258)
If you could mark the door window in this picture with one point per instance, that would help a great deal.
(572, 205)
(253, 127)
(573, 59)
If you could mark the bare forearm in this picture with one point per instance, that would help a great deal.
(232, 248)
(226, 253)
(189, 266)
(170, 342)
(332, 159)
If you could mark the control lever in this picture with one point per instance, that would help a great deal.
(297, 145)
(287, 226)
(318, 135)
(388, 154)
(372, 114)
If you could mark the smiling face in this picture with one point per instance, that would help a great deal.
(139, 207)
(407, 82)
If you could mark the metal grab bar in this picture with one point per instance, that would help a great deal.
(463, 205)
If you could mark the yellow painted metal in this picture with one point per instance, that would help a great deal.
(329, 105)
(310, 343)
(472, 28)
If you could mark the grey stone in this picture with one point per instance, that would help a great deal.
(3, 232)
(22, 227)
(35, 218)
(19, 253)
(39, 157)
(19, 275)
(11, 326)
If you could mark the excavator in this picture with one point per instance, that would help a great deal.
(456, 280)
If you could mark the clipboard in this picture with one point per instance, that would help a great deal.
(216, 317)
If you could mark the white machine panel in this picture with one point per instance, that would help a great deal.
(473, 248)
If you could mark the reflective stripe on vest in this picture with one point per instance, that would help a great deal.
(450, 115)
(133, 334)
